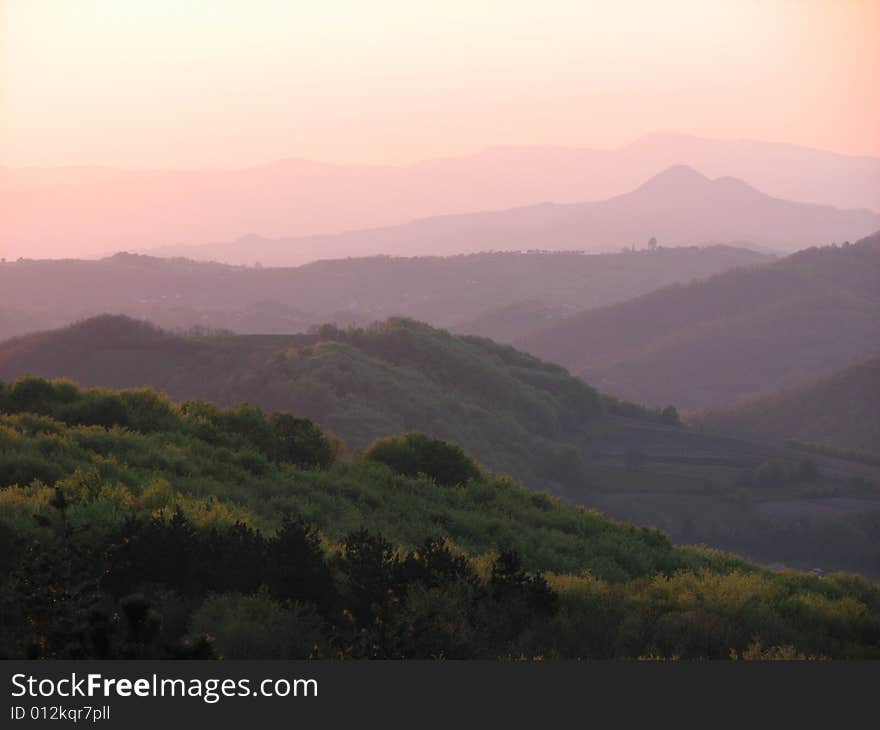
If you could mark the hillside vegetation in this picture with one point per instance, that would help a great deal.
(513, 413)
(135, 528)
(732, 336)
(841, 410)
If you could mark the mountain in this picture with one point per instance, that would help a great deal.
(781, 170)
(732, 336)
(92, 211)
(190, 531)
(514, 413)
(178, 293)
(679, 206)
(840, 410)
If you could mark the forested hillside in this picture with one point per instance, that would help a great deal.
(732, 336)
(514, 413)
(841, 410)
(160, 530)
(181, 294)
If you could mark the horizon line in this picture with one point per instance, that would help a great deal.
(473, 152)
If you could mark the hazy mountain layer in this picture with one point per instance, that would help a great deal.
(443, 291)
(840, 410)
(678, 207)
(80, 210)
(732, 336)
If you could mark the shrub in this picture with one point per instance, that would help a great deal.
(417, 453)
(299, 441)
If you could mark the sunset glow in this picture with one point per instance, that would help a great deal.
(176, 83)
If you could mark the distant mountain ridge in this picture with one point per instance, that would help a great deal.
(95, 211)
(679, 206)
(735, 335)
(178, 293)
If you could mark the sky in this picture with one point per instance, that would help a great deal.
(182, 84)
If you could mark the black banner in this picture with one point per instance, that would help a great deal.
(265, 694)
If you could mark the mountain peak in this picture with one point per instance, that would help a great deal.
(682, 180)
(677, 175)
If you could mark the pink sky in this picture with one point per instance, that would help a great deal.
(179, 83)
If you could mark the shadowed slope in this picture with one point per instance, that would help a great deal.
(840, 410)
(731, 336)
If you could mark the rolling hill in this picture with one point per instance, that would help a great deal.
(514, 413)
(179, 293)
(190, 531)
(840, 410)
(518, 414)
(94, 211)
(729, 337)
(679, 206)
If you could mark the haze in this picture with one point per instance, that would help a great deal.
(177, 83)
(124, 122)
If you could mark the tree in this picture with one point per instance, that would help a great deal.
(520, 599)
(434, 564)
(374, 576)
(297, 568)
(417, 453)
(299, 441)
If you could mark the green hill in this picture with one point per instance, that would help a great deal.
(134, 528)
(514, 413)
(841, 410)
(732, 336)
